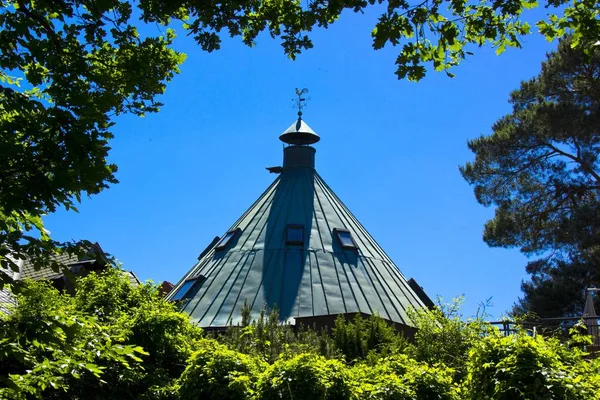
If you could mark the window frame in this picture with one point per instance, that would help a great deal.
(337, 232)
(223, 242)
(196, 279)
(288, 242)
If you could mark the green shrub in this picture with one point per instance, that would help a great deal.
(378, 383)
(51, 350)
(216, 372)
(445, 337)
(400, 377)
(269, 339)
(428, 382)
(356, 339)
(141, 316)
(525, 367)
(305, 376)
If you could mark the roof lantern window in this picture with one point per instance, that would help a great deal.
(185, 290)
(345, 238)
(226, 239)
(294, 235)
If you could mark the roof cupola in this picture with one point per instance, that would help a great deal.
(299, 133)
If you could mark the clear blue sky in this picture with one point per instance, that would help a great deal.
(390, 149)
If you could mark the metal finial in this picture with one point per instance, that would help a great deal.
(301, 101)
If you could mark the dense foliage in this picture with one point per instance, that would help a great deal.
(400, 377)
(522, 366)
(540, 168)
(113, 340)
(268, 339)
(358, 338)
(217, 372)
(48, 347)
(305, 376)
(110, 340)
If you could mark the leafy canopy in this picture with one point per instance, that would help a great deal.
(540, 169)
(435, 32)
(67, 68)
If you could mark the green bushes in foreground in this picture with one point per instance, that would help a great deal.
(305, 376)
(117, 341)
(216, 372)
(525, 367)
(400, 377)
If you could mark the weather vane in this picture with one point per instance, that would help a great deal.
(301, 101)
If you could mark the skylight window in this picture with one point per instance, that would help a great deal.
(185, 291)
(226, 239)
(294, 235)
(345, 238)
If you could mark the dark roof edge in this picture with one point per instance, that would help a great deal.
(421, 293)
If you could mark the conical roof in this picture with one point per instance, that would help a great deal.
(299, 133)
(299, 248)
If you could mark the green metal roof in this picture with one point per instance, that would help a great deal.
(319, 277)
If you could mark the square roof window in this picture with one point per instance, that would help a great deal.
(226, 239)
(345, 238)
(294, 235)
(185, 291)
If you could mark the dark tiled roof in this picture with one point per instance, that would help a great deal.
(94, 261)
(28, 270)
(6, 300)
(66, 260)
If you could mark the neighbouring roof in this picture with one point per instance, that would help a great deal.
(165, 287)
(96, 260)
(335, 267)
(29, 271)
(133, 279)
(7, 299)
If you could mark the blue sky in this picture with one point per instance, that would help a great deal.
(390, 149)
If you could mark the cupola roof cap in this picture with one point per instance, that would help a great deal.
(299, 133)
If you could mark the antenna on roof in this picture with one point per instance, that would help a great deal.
(301, 101)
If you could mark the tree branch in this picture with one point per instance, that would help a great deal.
(45, 24)
(577, 159)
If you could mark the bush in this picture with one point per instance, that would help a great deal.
(400, 377)
(215, 372)
(141, 316)
(49, 349)
(356, 339)
(305, 376)
(444, 336)
(269, 339)
(525, 367)
(111, 340)
(379, 382)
